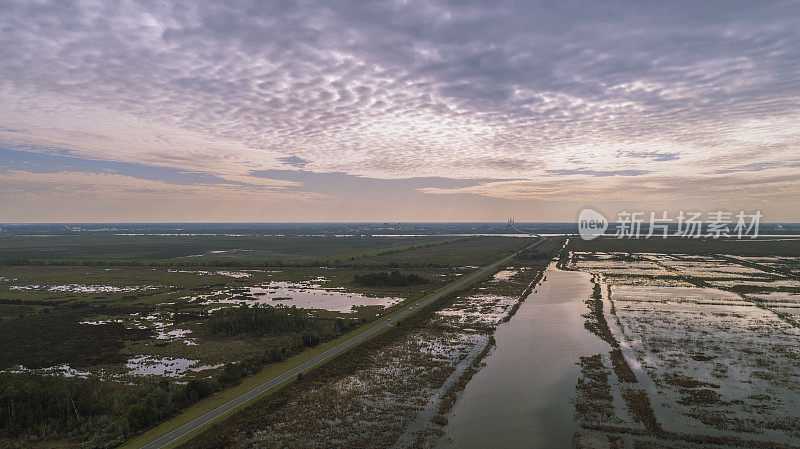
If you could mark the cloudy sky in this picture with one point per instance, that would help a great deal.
(396, 110)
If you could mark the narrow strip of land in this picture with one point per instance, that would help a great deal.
(382, 324)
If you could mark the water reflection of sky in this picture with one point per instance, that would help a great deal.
(301, 295)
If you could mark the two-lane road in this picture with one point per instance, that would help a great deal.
(235, 403)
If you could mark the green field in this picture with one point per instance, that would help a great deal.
(205, 248)
(472, 251)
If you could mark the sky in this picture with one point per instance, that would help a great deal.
(142, 111)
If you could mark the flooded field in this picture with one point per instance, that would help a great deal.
(77, 288)
(714, 349)
(304, 295)
(167, 310)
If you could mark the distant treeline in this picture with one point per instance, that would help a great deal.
(351, 262)
(344, 260)
(32, 302)
(19, 261)
(386, 279)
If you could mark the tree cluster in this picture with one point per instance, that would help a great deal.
(103, 414)
(386, 279)
(262, 320)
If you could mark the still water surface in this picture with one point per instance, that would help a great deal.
(521, 398)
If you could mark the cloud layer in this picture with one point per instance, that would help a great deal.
(517, 101)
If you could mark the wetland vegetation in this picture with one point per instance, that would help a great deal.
(105, 336)
(652, 345)
(397, 389)
(702, 360)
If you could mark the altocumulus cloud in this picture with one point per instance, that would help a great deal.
(514, 93)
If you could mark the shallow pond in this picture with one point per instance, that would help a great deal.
(664, 294)
(504, 275)
(79, 288)
(153, 366)
(305, 296)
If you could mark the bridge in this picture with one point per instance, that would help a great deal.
(520, 231)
